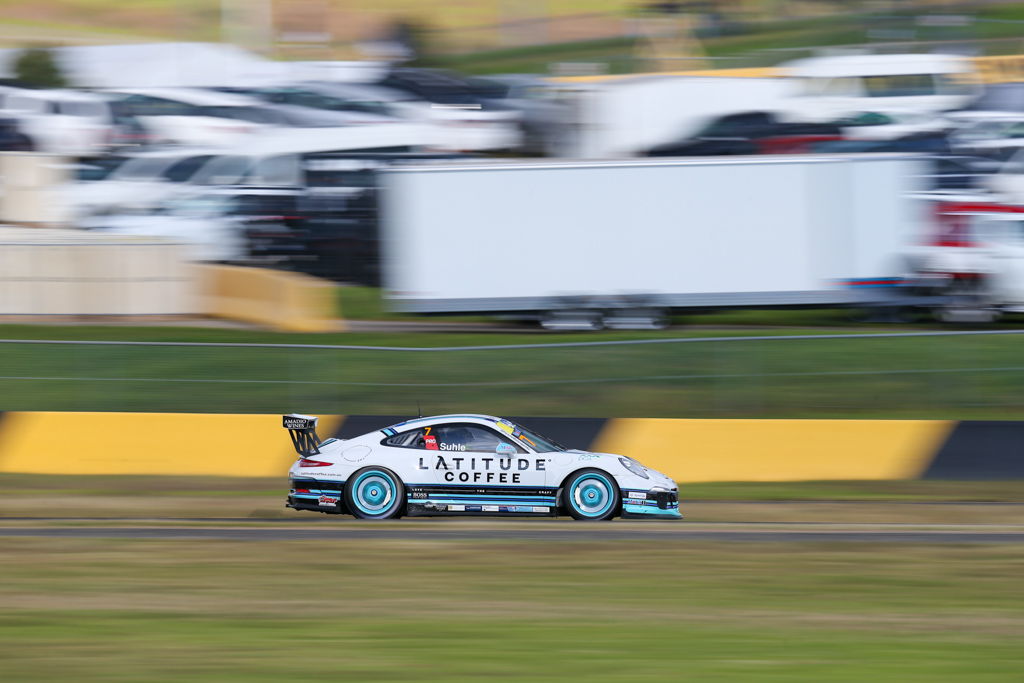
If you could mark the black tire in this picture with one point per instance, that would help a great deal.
(375, 493)
(590, 495)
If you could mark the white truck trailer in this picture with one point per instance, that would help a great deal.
(623, 242)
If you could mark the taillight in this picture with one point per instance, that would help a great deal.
(301, 490)
(305, 462)
(954, 230)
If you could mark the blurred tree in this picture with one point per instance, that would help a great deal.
(413, 37)
(38, 66)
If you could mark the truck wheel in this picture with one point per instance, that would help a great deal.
(585, 320)
(590, 495)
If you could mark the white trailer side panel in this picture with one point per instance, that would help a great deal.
(741, 231)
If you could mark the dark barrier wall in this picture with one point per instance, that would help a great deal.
(980, 450)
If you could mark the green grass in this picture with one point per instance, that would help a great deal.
(881, 377)
(941, 377)
(105, 610)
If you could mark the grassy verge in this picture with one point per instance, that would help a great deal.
(149, 486)
(147, 497)
(95, 610)
(880, 377)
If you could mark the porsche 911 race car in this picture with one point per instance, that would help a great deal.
(468, 465)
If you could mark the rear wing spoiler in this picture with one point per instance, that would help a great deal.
(302, 429)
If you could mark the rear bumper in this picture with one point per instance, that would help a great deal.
(318, 496)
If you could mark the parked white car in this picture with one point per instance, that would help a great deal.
(833, 87)
(138, 183)
(211, 222)
(67, 122)
(457, 128)
(188, 116)
(975, 256)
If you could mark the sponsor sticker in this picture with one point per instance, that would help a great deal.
(505, 427)
(474, 508)
(430, 441)
(457, 508)
(540, 508)
(328, 500)
(490, 508)
(638, 494)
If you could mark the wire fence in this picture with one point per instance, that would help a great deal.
(925, 375)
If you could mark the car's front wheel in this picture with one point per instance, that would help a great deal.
(375, 493)
(591, 495)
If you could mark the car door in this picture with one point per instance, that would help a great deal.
(464, 453)
(474, 454)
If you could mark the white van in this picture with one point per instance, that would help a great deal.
(833, 87)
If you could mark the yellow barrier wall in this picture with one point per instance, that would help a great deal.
(257, 445)
(290, 302)
(777, 450)
(148, 443)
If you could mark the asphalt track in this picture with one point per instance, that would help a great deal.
(538, 531)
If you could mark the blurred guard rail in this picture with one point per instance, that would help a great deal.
(687, 450)
(289, 302)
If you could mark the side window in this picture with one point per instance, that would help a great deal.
(454, 437)
(474, 438)
(412, 439)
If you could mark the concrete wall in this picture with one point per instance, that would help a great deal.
(30, 187)
(47, 272)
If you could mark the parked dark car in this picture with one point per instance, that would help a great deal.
(755, 132)
(959, 172)
(11, 137)
(331, 229)
(915, 143)
(439, 87)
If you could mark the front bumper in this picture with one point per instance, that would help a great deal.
(638, 504)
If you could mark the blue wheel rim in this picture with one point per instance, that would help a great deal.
(374, 493)
(592, 495)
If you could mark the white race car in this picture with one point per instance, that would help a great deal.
(468, 465)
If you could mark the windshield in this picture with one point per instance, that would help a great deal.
(143, 168)
(539, 443)
(98, 168)
(900, 85)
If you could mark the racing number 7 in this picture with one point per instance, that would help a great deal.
(429, 440)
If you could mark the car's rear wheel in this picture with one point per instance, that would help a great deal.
(590, 495)
(375, 493)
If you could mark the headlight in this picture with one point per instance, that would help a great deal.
(634, 467)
